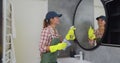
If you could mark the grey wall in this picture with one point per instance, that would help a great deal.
(84, 18)
(103, 54)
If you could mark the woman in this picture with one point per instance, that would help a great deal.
(50, 42)
(100, 31)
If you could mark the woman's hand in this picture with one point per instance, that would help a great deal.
(71, 35)
(59, 46)
(91, 33)
(92, 42)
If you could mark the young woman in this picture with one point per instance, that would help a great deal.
(100, 31)
(50, 42)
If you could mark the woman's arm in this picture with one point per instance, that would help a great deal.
(44, 40)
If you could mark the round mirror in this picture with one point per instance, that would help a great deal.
(90, 23)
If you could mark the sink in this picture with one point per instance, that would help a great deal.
(71, 60)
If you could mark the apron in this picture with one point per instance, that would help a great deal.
(98, 40)
(50, 57)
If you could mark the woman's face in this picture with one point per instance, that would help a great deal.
(101, 22)
(55, 20)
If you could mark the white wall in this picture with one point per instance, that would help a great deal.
(29, 15)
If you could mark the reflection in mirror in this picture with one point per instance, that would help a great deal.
(90, 24)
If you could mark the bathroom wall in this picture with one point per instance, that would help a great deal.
(29, 15)
(103, 54)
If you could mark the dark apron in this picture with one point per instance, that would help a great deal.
(50, 57)
(98, 40)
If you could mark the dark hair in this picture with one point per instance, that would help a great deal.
(46, 23)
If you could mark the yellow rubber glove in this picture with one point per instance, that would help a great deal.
(70, 35)
(59, 46)
(91, 33)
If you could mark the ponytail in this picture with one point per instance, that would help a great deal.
(46, 23)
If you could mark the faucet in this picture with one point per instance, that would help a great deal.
(79, 56)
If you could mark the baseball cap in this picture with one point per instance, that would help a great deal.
(52, 14)
(101, 17)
